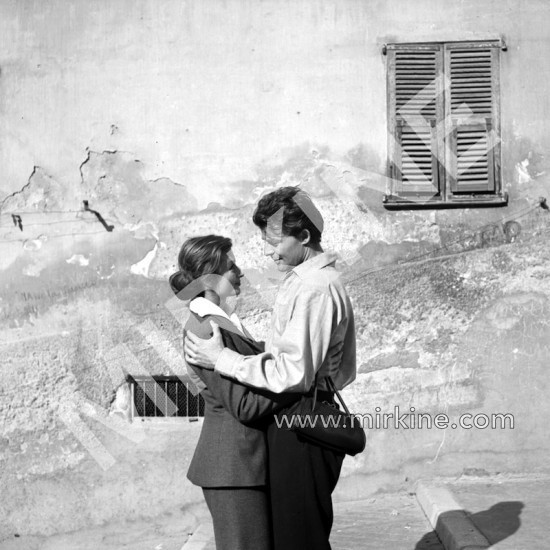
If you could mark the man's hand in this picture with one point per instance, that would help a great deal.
(203, 353)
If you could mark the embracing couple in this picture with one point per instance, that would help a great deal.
(265, 487)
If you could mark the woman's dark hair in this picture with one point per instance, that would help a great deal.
(298, 212)
(199, 256)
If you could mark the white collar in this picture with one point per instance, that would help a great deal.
(203, 307)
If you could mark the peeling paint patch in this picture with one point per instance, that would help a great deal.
(34, 244)
(522, 174)
(114, 183)
(33, 270)
(142, 267)
(41, 193)
(143, 230)
(78, 259)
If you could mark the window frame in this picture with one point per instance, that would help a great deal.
(441, 189)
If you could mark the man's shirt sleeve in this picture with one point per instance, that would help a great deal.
(296, 354)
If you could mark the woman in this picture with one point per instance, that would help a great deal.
(230, 461)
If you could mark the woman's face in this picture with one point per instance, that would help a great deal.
(233, 274)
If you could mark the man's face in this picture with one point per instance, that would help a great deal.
(285, 250)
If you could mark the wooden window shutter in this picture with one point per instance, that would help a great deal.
(415, 107)
(472, 120)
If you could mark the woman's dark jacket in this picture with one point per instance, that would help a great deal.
(231, 451)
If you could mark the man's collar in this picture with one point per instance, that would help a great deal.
(317, 262)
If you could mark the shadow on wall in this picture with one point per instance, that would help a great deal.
(497, 523)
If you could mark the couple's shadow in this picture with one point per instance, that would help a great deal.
(497, 523)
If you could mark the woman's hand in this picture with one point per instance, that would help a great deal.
(203, 353)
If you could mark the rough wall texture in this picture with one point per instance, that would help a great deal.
(169, 131)
(466, 334)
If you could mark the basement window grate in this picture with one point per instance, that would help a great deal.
(164, 397)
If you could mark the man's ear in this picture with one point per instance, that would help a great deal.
(305, 237)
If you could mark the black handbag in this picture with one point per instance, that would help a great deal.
(324, 424)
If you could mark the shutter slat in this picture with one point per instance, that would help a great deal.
(420, 63)
(469, 70)
(477, 80)
(402, 55)
(474, 86)
(471, 61)
(469, 67)
(472, 151)
(408, 78)
(412, 97)
(464, 54)
(482, 94)
(473, 167)
(414, 69)
(414, 86)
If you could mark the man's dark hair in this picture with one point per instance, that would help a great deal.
(298, 213)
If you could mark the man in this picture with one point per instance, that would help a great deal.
(312, 315)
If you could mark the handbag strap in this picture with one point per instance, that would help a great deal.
(331, 385)
(315, 386)
(332, 388)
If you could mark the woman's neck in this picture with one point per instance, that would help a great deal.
(228, 305)
(211, 296)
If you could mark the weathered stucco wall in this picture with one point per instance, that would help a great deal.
(155, 111)
(467, 334)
